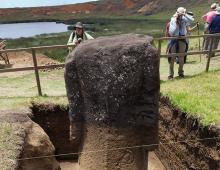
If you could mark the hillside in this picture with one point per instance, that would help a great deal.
(116, 7)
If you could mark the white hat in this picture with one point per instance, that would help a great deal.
(214, 6)
(181, 10)
(218, 10)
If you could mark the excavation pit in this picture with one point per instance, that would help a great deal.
(54, 120)
(174, 126)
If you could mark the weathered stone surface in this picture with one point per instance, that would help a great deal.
(38, 144)
(113, 85)
(12, 133)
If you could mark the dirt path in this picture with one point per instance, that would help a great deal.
(24, 59)
(154, 164)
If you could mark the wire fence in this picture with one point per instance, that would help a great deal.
(121, 148)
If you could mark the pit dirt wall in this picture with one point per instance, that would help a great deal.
(55, 122)
(197, 151)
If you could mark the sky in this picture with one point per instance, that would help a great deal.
(34, 3)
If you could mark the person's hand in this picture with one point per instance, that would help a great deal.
(178, 19)
(79, 41)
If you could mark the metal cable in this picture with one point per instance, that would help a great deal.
(122, 148)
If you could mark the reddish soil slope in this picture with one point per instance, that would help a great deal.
(116, 6)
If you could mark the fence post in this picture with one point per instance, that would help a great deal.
(209, 54)
(36, 72)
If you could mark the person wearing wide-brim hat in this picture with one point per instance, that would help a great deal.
(178, 27)
(78, 35)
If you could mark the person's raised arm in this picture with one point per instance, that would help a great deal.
(188, 19)
(173, 27)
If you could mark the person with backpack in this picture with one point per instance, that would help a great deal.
(189, 30)
(207, 18)
(214, 28)
(178, 27)
(77, 36)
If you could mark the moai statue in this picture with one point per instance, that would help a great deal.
(113, 90)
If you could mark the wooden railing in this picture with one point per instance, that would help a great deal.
(36, 68)
(208, 52)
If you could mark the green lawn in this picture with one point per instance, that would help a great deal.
(197, 95)
(52, 84)
(10, 142)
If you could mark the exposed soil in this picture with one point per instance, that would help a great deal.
(154, 164)
(174, 126)
(24, 59)
(193, 153)
(105, 6)
(69, 165)
(55, 122)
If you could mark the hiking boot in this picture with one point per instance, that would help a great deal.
(181, 76)
(170, 77)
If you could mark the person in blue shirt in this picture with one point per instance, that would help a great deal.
(179, 22)
(178, 27)
(214, 28)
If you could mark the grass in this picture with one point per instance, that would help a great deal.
(22, 103)
(9, 144)
(25, 85)
(197, 95)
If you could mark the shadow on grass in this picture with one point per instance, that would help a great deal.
(191, 62)
(189, 76)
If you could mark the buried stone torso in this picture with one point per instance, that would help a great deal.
(113, 83)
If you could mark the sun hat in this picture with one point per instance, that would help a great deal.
(214, 6)
(181, 10)
(79, 25)
(218, 10)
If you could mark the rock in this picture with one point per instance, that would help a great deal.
(113, 87)
(38, 144)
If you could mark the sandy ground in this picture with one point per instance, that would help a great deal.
(24, 59)
(154, 164)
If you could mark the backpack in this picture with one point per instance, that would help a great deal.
(167, 34)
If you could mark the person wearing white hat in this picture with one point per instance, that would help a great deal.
(214, 28)
(178, 27)
(179, 22)
(78, 35)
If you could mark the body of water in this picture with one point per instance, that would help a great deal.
(18, 30)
